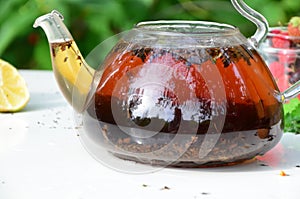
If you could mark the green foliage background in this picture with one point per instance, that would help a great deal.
(91, 21)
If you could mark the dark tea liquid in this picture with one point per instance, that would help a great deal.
(185, 107)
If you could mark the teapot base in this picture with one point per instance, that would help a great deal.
(185, 164)
(190, 151)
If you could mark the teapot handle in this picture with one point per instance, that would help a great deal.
(258, 19)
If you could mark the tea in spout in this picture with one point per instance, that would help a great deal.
(73, 75)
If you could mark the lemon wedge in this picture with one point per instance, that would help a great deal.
(14, 94)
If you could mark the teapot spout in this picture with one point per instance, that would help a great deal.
(73, 75)
(52, 24)
(258, 19)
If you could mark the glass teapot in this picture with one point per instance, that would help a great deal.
(173, 93)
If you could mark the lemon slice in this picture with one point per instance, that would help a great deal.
(14, 94)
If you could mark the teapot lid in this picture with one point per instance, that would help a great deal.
(184, 34)
(188, 27)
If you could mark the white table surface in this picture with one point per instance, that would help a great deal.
(41, 157)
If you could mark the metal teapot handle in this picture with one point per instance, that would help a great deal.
(255, 17)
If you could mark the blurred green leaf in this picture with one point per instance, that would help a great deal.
(16, 24)
(291, 105)
(7, 8)
(291, 5)
(292, 116)
(42, 55)
(274, 13)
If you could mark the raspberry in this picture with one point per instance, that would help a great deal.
(279, 40)
(275, 31)
(282, 82)
(287, 58)
(277, 69)
(294, 29)
(294, 26)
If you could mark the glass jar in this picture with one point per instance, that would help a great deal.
(282, 54)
